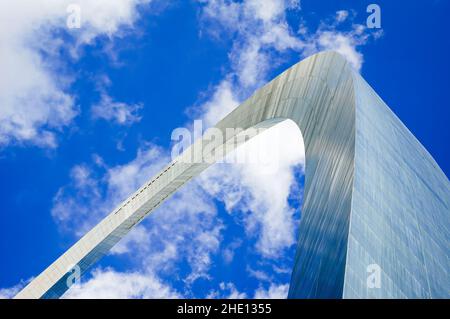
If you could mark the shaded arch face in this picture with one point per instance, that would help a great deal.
(373, 195)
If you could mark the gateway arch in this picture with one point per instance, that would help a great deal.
(376, 205)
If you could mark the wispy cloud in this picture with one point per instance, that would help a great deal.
(117, 112)
(111, 110)
(35, 96)
(273, 292)
(109, 284)
(8, 293)
(227, 290)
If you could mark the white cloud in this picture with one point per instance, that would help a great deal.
(256, 27)
(221, 103)
(258, 274)
(259, 27)
(109, 284)
(124, 179)
(233, 293)
(8, 293)
(108, 109)
(118, 112)
(229, 251)
(346, 43)
(227, 290)
(341, 15)
(35, 98)
(85, 191)
(274, 292)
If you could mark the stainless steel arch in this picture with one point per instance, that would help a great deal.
(373, 195)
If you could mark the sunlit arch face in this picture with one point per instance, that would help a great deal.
(360, 163)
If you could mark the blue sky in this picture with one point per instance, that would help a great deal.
(86, 116)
